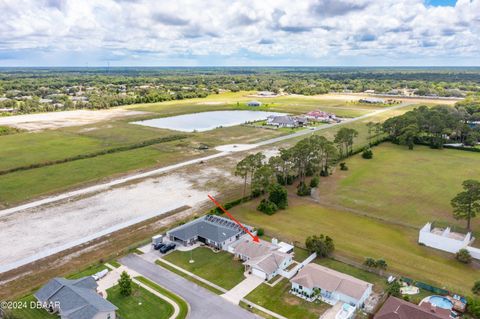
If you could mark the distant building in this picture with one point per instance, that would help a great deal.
(321, 116)
(254, 103)
(369, 91)
(372, 100)
(286, 121)
(332, 285)
(75, 299)
(266, 93)
(215, 231)
(45, 101)
(395, 308)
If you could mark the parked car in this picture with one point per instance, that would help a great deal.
(165, 249)
(158, 246)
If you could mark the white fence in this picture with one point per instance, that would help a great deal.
(292, 272)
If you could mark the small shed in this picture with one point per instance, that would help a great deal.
(254, 103)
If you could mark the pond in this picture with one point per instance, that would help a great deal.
(206, 121)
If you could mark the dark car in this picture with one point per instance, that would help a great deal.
(167, 248)
(158, 246)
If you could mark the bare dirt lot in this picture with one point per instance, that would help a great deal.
(54, 120)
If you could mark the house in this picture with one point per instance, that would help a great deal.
(372, 100)
(332, 286)
(286, 121)
(447, 240)
(321, 116)
(215, 231)
(263, 259)
(395, 308)
(369, 91)
(254, 103)
(75, 299)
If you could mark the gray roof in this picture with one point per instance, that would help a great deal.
(214, 228)
(78, 298)
(283, 119)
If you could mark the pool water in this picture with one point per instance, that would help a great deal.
(441, 302)
(205, 121)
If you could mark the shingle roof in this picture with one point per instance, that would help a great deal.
(316, 276)
(267, 263)
(395, 308)
(78, 299)
(252, 249)
(214, 228)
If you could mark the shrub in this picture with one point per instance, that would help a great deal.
(322, 245)
(473, 307)
(393, 289)
(125, 284)
(278, 196)
(314, 182)
(476, 287)
(267, 207)
(303, 189)
(370, 262)
(367, 153)
(260, 232)
(343, 166)
(464, 256)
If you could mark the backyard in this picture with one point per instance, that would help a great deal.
(217, 267)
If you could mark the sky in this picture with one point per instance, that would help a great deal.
(239, 33)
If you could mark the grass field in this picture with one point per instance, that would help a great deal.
(141, 304)
(357, 237)
(219, 268)
(399, 185)
(31, 312)
(182, 304)
(279, 300)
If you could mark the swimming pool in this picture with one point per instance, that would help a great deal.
(440, 302)
(205, 121)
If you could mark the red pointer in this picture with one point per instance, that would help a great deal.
(255, 238)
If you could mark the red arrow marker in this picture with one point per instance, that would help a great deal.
(255, 238)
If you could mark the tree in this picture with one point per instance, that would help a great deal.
(463, 256)
(344, 140)
(267, 207)
(242, 169)
(476, 287)
(322, 245)
(367, 153)
(314, 182)
(278, 195)
(125, 284)
(408, 136)
(370, 126)
(381, 265)
(466, 204)
(473, 307)
(393, 289)
(370, 262)
(263, 178)
(303, 189)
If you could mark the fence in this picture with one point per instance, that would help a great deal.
(419, 284)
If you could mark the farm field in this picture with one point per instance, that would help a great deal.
(396, 244)
(402, 186)
(207, 265)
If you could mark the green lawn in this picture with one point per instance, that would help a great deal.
(279, 300)
(140, 305)
(219, 268)
(88, 271)
(357, 237)
(399, 185)
(182, 304)
(31, 312)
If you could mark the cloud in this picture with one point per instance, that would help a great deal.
(237, 31)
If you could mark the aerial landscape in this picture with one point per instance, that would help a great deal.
(315, 159)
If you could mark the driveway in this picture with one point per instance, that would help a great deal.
(203, 303)
(238, 292)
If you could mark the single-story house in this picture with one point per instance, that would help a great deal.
(254, 103)
(395, 308)
(263, 259)
(286, 121)
(372, 100)
(332, 286)
(75, 299)
(321, 116)
(215, 231)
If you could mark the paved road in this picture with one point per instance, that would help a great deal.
(121, 180)
(203, 303)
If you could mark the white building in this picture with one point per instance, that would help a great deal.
(330, 286)
(446, 240)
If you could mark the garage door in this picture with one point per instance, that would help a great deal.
(259, 273)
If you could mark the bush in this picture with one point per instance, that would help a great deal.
(267, 207)
(322, 245)
(303, 189)
(476, 287)
(314, 182)
(260, 232)
(343, 166)
(393, 289)
(464, 256)
(278, 196)
(367, 153)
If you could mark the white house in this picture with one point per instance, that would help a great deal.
(446, 240)
(263, 259)
(330, 286)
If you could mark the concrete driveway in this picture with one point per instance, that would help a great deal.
(203, 303)
(238, 292)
